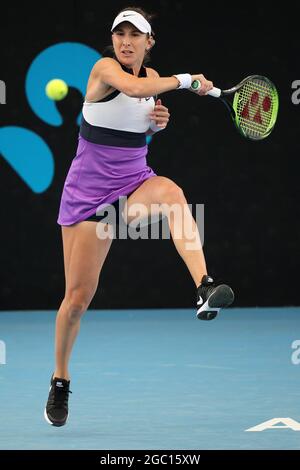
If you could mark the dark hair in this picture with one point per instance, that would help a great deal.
(109, 50)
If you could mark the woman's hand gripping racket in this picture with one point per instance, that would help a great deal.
(254, 106)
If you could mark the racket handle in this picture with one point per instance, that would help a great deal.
(215, 92)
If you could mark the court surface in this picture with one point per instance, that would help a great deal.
(154, 379)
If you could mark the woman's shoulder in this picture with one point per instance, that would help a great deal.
(106, 61)
(151, 72)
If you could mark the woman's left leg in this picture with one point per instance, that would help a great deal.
(163, 193)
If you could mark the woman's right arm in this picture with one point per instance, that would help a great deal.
(107, 72)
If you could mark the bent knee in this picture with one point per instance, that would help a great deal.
(170, 193)
(77, 303)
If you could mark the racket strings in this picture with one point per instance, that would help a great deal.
(255, 108)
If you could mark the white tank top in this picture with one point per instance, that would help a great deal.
(120, 112)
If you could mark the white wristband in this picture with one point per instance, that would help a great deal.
(185, 80)
(154, 127)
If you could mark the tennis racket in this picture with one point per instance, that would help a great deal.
(254, 106)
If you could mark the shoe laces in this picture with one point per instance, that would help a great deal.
(206, 291)
(59, 396)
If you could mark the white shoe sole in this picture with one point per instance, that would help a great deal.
(222, 297)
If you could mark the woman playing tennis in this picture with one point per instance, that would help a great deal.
(118, 112)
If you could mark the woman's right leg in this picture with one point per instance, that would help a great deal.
(84, 255)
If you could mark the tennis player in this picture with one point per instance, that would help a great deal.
(118, 112)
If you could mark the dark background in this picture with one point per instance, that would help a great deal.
(250, 189)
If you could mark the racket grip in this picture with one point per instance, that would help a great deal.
(215, 92)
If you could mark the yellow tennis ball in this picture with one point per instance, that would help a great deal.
(56, 89)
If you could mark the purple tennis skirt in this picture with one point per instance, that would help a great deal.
(99, 175)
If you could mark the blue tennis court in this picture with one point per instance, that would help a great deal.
(155, 379)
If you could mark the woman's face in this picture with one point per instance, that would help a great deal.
(130, 44)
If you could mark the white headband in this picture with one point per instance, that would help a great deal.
(134, 18)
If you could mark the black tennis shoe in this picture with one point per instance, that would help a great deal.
(56, 411)
(211, 298)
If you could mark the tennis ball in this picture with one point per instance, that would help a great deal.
(56, 89)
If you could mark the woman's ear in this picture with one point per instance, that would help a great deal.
(152, 41)
(150, 44)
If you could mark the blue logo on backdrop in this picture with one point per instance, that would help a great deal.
(29, 155)
(23, 149)
(69, 61)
